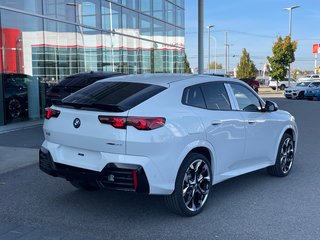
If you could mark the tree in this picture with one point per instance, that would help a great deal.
(283, 54)
(246, 67)
(218, 65)
(187, 68)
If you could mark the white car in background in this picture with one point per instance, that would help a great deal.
(165, 134)
(309, 77)
(282, 84)
(298, 91)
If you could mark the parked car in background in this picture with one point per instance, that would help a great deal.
(252, 82)
(282, 84)
(312, 93)
(15, 94)
(74, 83)
(125, 134)
(309, 77)
(299, 90)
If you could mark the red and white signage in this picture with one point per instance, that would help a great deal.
(316, 48)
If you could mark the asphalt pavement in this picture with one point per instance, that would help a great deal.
(34, 205)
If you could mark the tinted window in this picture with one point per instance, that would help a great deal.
(247, 100)
(192, 96)
(216, 96)
(112, 96)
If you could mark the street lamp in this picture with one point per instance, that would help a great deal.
(209, 27)
(290, 30)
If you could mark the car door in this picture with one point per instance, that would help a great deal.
(224, 128)
(262, 129)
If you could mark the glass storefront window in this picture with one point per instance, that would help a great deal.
(146, 6)
(19, 33)
(61, 9)
(158, 9)
(180, 17)
(145, 26)
(88, 12)
(159, 33)
(146, 64)
(170, 13)
(130, 55)
(60, 52)
(33, 6)
(111, 52)
(134, 4)
(111, 16)
(130, 22)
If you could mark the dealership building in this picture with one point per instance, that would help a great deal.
(43, 41)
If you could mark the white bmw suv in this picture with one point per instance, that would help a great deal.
(173, 135)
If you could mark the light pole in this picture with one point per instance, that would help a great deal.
(209, 28)
(200, 35)
(290, 30)
(215, 54)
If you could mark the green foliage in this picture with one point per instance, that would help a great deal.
(187, 68)
(283, 54)
(246, 67)
(218, 65)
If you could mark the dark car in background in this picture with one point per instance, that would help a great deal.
(15, 94)
(252, 82)
(74, 83)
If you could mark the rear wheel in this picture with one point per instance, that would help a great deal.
(83, 185)
(192, 186)
(285, 157)
(282, 87)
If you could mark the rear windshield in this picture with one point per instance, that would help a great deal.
(112, 96)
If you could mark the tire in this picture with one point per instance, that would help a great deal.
(192, 186)
(282, 87)
(14, 109)
(87, 186)
(284, 159)
(300, 95)
(273, 88)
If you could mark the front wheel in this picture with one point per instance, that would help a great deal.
(14, 108)
(285, 157)
(301, 95)
(192, 186)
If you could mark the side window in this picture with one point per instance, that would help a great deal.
(193, 96)
(247, 101)
(216, 96)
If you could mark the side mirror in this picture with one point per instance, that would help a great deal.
(270, 106)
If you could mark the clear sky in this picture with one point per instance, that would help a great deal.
(254, 25)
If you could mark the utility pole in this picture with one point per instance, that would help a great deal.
(290, 30)
(226, 53)
(200, 36)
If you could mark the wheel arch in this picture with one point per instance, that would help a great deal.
(201, 147)
(291, 130)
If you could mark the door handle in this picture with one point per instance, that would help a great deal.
(252, 121)
(215, 123)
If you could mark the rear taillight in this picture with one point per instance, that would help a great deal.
(146, 123)
(117, 122)
(49, 113)
(140, 123)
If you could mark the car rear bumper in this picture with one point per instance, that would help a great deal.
(125, 177)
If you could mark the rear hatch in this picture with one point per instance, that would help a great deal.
(94, 118)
